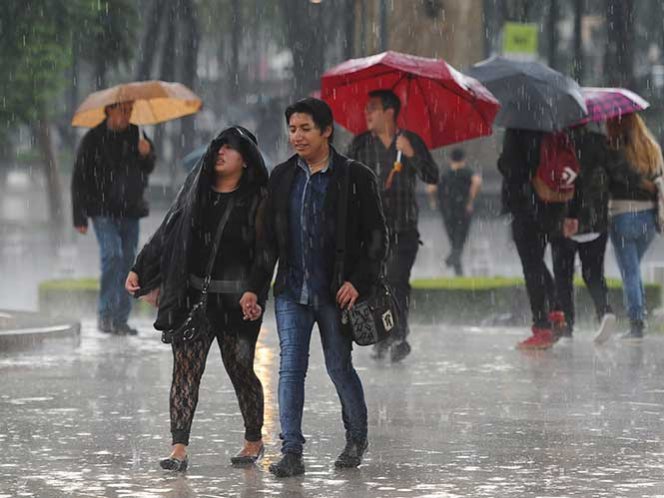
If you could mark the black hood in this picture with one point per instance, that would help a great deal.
(245, 143)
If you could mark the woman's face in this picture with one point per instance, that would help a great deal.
(229, 161)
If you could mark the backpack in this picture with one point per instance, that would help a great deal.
(557, 170)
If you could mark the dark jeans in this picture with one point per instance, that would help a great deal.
(294, 324)
(238, 346)
(591, 254)
(118, 239)
(457, 226)
(531, 241)
(402, 252)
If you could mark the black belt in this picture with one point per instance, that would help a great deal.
(218, 286)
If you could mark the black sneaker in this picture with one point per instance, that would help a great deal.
(399, 351)
(289, 465)
(124, 329)
(351, 456)
(105, 325)
(174, 464)
(635, 331)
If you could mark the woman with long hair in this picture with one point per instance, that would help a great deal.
(632, 209)
(225, 191)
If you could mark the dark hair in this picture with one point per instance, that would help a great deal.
(389, 100)
(319, 111)
(457, 155)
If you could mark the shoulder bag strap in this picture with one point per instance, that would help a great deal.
(215, 247)
(342, 215)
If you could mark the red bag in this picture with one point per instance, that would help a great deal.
(557, 170)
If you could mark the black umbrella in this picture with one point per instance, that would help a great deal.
(532, 96)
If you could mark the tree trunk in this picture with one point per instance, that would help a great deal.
(619, 56)
(190, 66)
(577, 65)
(148, 51)
(43, 135)
(553, 34)
(167, 73)
(233, 67)
(303, 25)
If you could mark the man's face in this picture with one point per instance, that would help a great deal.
(376, 116)
(305, 137)
(119, 114)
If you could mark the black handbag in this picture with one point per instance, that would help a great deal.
(374, 316)
(197, 324)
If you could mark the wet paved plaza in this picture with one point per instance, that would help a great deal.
(465, 415)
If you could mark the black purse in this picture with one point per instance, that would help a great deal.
(197, 324)
(373, 317)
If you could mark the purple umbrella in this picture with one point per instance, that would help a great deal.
(605, 103)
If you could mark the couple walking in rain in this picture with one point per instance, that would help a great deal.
(209, 266)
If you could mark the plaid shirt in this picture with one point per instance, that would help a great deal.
(399, 201)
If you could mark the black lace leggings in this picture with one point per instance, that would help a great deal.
(237, 345)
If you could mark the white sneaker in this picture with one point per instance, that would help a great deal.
(606, 328)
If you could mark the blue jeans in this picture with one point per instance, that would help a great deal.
(118, 239)
(294, 324)
(631, 234)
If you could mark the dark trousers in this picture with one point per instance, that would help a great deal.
(457, 226)
(531, 241)
(238, 346)
(402, 253)
(591, 255)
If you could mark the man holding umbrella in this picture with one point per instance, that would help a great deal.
(110, 176)
(398, 157)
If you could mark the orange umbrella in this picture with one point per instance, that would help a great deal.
(154, 102)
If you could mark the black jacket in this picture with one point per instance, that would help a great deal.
(366, 234)
(518, 164)
(110, 176)
(163, 261)
(601, 167)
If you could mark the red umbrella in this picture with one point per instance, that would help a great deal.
(605, 103)
(439, 103)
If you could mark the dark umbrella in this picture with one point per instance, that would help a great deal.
(532, 96)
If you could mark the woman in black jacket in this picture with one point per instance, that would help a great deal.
(632, 209)
(172, 266)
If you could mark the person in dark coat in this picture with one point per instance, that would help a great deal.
(108, 184)
(533, 224)
(457, 189)
(586, 229)
(378, 148)
(170, 269)
(312, 285)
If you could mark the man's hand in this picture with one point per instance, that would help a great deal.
(144, 147)
(132, 284)
(404, 145)
(570, 227)
(347, 296)
(83, 229)
(469, 208)
(250, 307)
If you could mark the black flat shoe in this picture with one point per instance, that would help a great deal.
(174, 464)
(248, 459)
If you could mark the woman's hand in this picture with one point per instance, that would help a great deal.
(132, 283)
(347, 296)
(251, 310)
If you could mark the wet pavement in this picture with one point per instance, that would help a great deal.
(465, 415)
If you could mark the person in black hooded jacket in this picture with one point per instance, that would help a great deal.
(170, 270)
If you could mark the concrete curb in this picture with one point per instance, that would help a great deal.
(29, 331)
